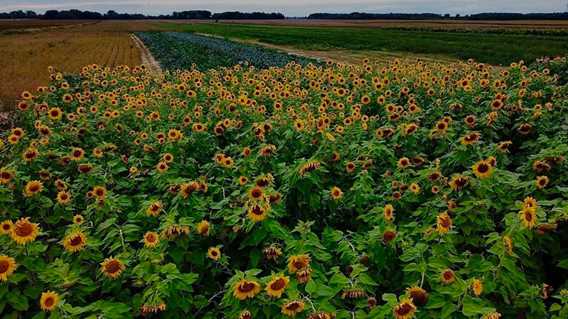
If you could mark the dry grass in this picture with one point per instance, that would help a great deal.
(26, 56)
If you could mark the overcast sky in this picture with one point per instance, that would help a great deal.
(292, 7)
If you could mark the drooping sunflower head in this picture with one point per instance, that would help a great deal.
(24, 231)
(418, 295)
(245, 289)
(203, 228)
(75, 241)
(443, 223)
(477, 287)
(388, 212)
(292, 308)
(405, 309)
(276, 286)
(49, 301)
(112, 267)
(7, 267)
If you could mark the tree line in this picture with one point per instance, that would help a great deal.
(207, 15)
(74, 14)
(435, 16)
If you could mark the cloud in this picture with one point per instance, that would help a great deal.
(291, 7)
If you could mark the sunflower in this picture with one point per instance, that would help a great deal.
(508, 244)
(6, 176)
(214, 253)
(154, 209)
(112, 267)
(245, 314)
(162, 167)
(491, 315)
(203, 228)
(528, 217)
(256, 193)
(24, 231)
(245, 289)
(6, 227)
(477, 287)
(63, 197)
(77, 154)
(541, 182)
(388, 212)
(151, 239)
(7, 267)
(78, 219)
(336, 193)
(418, 295)
(530, 202)
(276, 286)
(75, 241)
(257, 212)
(298, 262)
(55, 114)
(443, 223)
(99, 192)
(49, 300)
(32, 188)
(415, 188)
(405, 309)
(448, 276)
(292, 308)
(458, 182)
(482, 169)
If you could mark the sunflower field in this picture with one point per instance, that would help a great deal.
(407, 190)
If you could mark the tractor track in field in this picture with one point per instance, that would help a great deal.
(146, 56)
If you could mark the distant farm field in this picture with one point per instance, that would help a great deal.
(520, 25)
(493, 48)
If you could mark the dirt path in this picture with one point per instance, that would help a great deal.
(147, 57)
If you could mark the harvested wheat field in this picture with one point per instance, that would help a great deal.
(27, 55)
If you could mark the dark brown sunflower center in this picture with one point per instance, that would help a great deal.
(112, 267)
(257, 210)
(483, 168)
(76, 240)
(4, 266)
(246, 286)
(293, 306)
(24, 229)
(49, 301)
(448, 275)
(279, 284)
(528, 216)
(404, 309)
